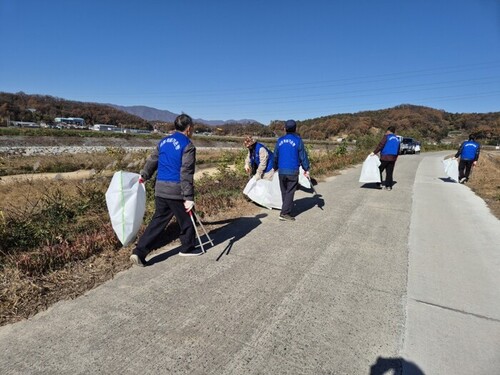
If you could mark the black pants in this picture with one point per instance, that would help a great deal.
(388, 166)
(165, 209)
(288, 185)
(464, 168)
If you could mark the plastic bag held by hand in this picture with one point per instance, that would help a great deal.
(264, 192)
(126, 201)
(451, 168)
(369, 170)
(303, 179)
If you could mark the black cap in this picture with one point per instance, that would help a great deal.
(290, 125)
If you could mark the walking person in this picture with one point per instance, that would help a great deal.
(259, 160)
(389, 151)
(289, 155)
(174, 160)
(469, 154)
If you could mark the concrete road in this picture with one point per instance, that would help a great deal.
(375, 282)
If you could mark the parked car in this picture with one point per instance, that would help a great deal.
(407, 145)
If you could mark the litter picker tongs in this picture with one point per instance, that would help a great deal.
(200, 243)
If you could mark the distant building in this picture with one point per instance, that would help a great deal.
(105, 128)
(24, 124)
(71, 122)
(137, 131)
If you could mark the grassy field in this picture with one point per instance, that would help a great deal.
(485, 180)
(56, 241)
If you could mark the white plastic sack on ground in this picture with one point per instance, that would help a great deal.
(264, 192)
(451, 168)
(126, 201)
(369, 170)
(268, 193)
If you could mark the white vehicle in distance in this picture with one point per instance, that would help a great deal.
(408, 145)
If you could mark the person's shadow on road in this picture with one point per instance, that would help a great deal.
(234, 229)
(396, 366)
(305, 204)
(373, 185)
(447, 179)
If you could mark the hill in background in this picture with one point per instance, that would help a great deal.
(153, 114)
(44, 108)
(422, 123)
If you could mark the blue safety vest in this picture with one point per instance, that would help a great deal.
(289, 159)
(391, 146)
(170, 151)
(469, 150)
(255, 158)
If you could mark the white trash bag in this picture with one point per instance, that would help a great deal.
(451, 168)
(303, 180)
(369, 170)
(264, 192)
(268, 193)
(126, 201)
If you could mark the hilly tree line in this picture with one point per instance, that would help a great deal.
(422, 123)
(20, 106)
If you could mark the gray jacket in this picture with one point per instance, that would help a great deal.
(171, 190)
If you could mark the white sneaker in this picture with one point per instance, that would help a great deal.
(136, 260)
(463, 179)
(192, 253)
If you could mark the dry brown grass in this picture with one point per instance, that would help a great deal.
(23, 294)
(485, 180)
(114, 159)
(43, 261)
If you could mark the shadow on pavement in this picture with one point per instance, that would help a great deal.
(394, 366)
(304, 204)
(235, 230)
(162, 257)
(447, 179)
(373, 185)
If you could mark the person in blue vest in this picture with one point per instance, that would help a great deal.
(469, 154)
(289, 155)
(259, 160)
(174, 161)
(389, 151)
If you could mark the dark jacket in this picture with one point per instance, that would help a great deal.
(183, 189)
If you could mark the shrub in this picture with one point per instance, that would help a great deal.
(55, 256)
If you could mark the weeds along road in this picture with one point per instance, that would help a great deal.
(375, 280)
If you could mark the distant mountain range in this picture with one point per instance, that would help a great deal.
(154, 114)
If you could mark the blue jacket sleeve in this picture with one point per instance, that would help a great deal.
(477, 152)
(304, 160)
(459, 152)
(276, 156)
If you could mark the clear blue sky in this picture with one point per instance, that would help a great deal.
(259, 59)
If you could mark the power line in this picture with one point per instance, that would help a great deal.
(315, 84)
